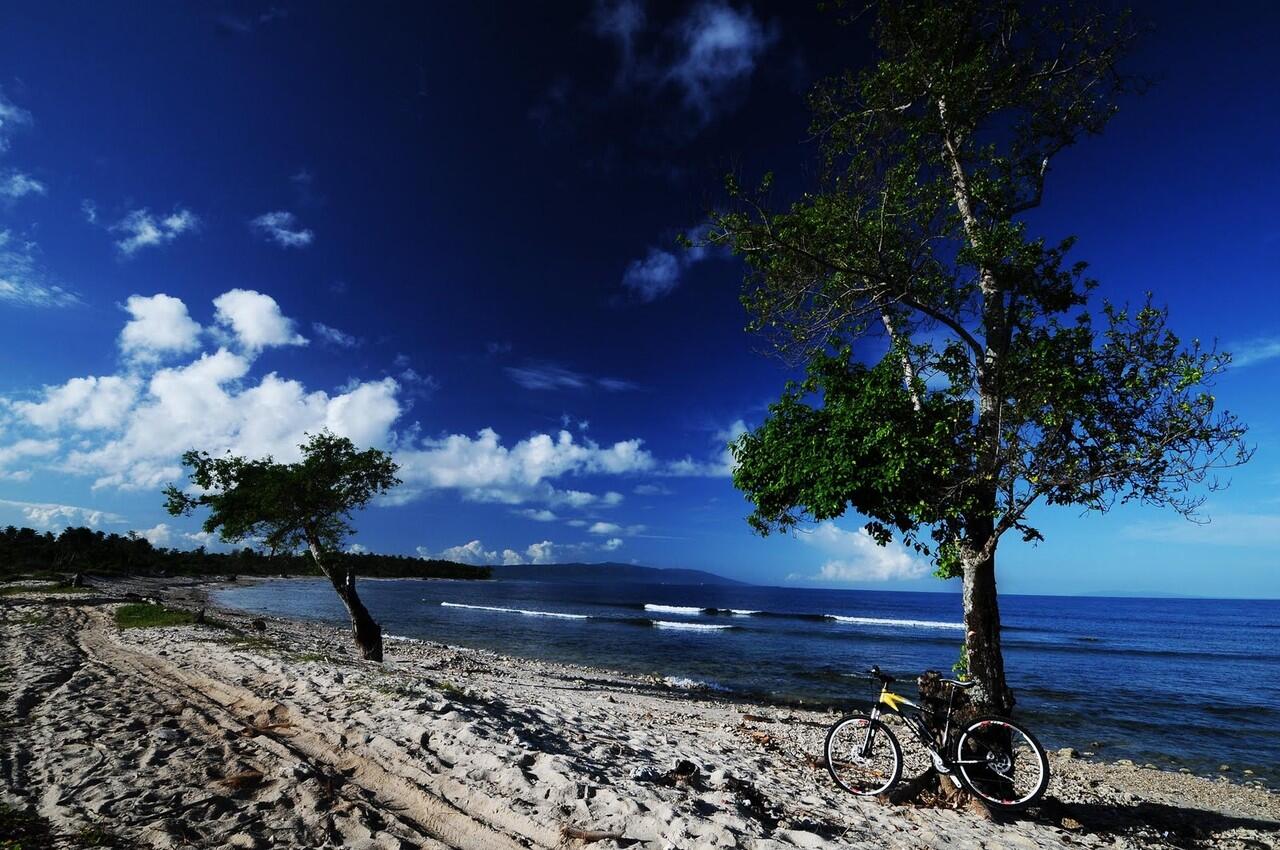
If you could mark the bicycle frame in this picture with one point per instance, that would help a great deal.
(915, 721)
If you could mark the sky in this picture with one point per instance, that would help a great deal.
(449, 231)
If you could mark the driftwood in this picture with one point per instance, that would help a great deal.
(590, 836)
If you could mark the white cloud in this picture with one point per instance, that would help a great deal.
(255, 320)
(721, 465)
(202, 405)
(542, 553)
(159, 534)
(282, 228)
(22, 450)
(654, 276)
(339, 339)
(857, 557)
(651, 490)
(45, 515)
(11, 119)
(612, 529)
(16, 184)
(160, 325)
(86, 403)
(1255, 351)
(661, 271)
(141, 229)
(485, 470)
(357, 549)
(540, 375)
(474, 553)
(612, 544)
(537, 515)
(720, 49)
(22, 280)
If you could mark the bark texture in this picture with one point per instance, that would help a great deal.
(364, 629)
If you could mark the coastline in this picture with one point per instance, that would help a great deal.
(143, 732)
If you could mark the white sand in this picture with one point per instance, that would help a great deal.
(138, 731)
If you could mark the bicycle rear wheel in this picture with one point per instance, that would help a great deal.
(863, 755)
(1002, 763)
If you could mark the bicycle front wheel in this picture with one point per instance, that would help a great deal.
(1001, 763)
(863, 756)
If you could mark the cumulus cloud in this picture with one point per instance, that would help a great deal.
(720, 47)
(159, 534)
(86, 403)
(544, 375)
(141, 229)
(661, 271)
(855, 556)
(708, 57)
(537, 515)
(612, 529)
(720, 465)
(654, 276)
(482, 469)
(255, 320)
(23, 282)
(612, 544)
(474, 553)
(47, 515)
(282, 228)
(16, 184)
(160, 326)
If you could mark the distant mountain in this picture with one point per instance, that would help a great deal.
(606, 572)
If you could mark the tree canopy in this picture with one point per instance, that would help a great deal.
(288, 506)
(957, 368)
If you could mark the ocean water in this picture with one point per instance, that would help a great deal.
(1189, 683)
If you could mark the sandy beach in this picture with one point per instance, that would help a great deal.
(226, 735)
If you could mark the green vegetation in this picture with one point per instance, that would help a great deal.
(957, 374)
(19, 589)
(27, 553)
(144, 615)
(293, 505)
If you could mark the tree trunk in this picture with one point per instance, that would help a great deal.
(982, 633)
(364, 629)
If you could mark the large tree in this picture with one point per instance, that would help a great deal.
(288, 506)
(956, 372)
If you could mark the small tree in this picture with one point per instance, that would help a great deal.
(991, 387)
(290, 505)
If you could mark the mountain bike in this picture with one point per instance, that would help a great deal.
(992, 757)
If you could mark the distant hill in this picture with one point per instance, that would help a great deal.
(606, 572)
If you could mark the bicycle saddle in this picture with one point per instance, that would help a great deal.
(956, 683)
(884, 678)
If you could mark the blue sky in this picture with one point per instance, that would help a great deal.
(450, 232)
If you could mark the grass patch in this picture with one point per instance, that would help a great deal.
(144, 615)
(308, 657)
(21, 589)
(252, 643)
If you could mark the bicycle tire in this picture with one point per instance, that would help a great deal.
(983, 780)
(877, 729)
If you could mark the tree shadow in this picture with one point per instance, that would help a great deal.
(1150, 822)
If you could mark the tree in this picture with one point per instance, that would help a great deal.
(956, 374)
(291, 505)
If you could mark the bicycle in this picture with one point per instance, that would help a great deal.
(992, 757)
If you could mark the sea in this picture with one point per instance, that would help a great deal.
(1179, 683)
